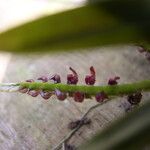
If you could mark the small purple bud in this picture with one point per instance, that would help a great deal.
(72, 78)
(33, 93)
(90, 79)
(100, 97)
(23, 89)
(56, 78)
(113, 81)
(43, 78)
(46, 95)
(60, 95)
(134, 99)
(79, 97)
(30, 80)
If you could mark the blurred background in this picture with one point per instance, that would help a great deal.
(32, 123)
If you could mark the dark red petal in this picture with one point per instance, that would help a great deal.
(73, 71)
(60, 95)
(79, 97)
(45, 95)
(100, 97)
(72, 78)
(90, 79)
(56, 78)
(23, 90)
(92, 70)
(113, 81)
(33, 93)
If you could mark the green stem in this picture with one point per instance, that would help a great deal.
(113, 90)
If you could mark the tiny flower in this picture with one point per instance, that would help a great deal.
(30, 80)
(33, 93)
(60, 95)
(72, 78)
(55, 78)
(43, 79)
(79, 97)
(135, 98)
(90, 79)
(113, 81)
(100, 97)
(45, 94)
(23, 89)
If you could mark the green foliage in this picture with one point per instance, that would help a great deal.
(129, 133)
(107, 22)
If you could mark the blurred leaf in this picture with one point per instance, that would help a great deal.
(129, 133)
(107, 22)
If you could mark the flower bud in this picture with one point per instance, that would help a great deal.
(56, 78)
(90, 79)
(33, 93)
(60, 95)
(79, 97)
(45, 94)
(100, 97)
(23, 89)
(113, 81)
(72, 78)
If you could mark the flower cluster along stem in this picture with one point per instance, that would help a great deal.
(110, 90)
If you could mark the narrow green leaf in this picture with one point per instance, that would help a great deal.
(129, 133)
(87, 26)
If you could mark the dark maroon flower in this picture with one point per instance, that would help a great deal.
(60, 95)
(23, 89)
(43, 79)
(135, 98)
(72, 78)
(100, 97)
(90, 79)
(56, 78)
(33, 93)
(79, 97)
(147, 55)
(30, 80)
(45, 94)
(113, 81)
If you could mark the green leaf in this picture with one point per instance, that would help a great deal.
(129, 133)
(107, 22)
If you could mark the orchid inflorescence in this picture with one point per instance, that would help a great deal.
(72, 79)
